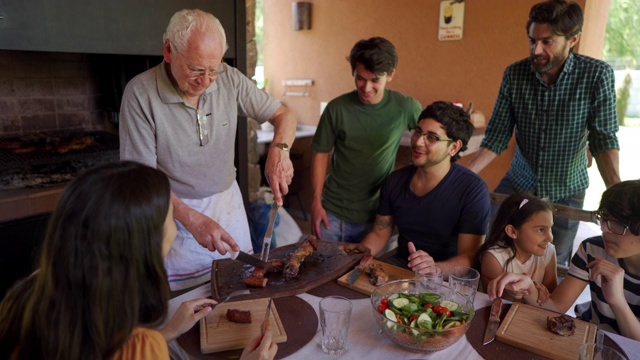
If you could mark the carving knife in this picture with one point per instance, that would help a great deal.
(248, 259)
(359, 269)
(266, 244)
(266, 323)
(494, 321)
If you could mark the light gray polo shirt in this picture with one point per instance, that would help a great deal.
(158, 128)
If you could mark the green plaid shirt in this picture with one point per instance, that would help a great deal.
(554, 124)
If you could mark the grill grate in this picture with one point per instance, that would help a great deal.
(48, 159)
(46, 148)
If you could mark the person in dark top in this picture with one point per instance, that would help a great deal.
(441, 209)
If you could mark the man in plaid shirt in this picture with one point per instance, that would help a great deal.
(558, 102)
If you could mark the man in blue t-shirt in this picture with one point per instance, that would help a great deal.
(441, 209)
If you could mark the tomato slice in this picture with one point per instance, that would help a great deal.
(438, 310)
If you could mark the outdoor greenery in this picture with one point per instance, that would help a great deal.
(622, 37)
(622, 99)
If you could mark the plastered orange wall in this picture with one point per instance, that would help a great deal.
(429, 70)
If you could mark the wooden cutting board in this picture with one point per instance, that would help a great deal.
(327, 263)
(217, 333)
(364, 286)
(525, 327)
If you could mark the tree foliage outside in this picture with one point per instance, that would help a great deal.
(622, 38)
(622, 99)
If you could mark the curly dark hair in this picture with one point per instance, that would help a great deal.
(622, 202)
(565, 17)
(455, 120)
(376, 54)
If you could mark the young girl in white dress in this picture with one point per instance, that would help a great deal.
(520, 242)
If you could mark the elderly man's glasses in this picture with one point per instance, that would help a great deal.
(201, 122)
(615, 227)
(429, 138)
(195, 72)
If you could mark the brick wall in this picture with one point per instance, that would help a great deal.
(42, 91)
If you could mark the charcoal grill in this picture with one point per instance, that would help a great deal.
(44, 166)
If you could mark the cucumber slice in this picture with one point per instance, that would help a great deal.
(410, 307)
(424, 321)
(399, 303)
(393, 297)
(390, 315)
(452, 306)
(412, 329)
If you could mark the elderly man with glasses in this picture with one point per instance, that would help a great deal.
(441, 208)
(181, 117)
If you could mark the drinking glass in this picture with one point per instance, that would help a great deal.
(465, 280)
(593, 351)
(428, 281)
(335, 317)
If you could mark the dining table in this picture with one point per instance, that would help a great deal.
(366, 341)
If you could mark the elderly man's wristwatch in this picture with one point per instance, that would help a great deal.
(282, 146)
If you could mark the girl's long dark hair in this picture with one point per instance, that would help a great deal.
(101, 270)
(512, 212)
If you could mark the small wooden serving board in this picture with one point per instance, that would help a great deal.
(364, 286)
(328, 262)
(525, 327)
(217, 333)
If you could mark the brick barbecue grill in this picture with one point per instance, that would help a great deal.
(46, 159)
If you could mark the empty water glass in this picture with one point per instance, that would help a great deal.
(464, 280)
(335, 317)
(429, 281)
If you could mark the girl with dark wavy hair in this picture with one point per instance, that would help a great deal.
(520, 242)
(101, 287)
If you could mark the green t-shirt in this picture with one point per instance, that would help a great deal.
(365, 139)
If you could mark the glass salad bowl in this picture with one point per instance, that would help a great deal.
(418, 319)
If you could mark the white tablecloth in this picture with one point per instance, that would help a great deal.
(365, 339)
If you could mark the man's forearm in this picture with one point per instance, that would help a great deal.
(181, 211)
(319, 171)
(609, 166)
(482, 158)
(284, 126)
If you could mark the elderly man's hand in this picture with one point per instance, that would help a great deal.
(209, 234)
(279, 173)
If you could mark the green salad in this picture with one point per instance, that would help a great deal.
(422, 311)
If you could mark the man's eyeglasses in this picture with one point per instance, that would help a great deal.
(196, 72)
(203, 134)
(614, 226)
(429, 138)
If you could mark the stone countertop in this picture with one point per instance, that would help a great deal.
(18, 203)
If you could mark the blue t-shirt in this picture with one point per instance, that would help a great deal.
(458, 204)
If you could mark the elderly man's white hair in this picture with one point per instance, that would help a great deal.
(184, 22)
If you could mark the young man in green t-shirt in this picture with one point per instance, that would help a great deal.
(356, 142)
